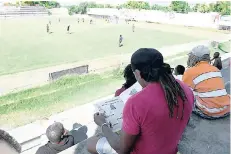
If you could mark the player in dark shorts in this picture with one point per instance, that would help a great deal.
(78, 20)
(83, 19)
(68, 29)
(120, 41)
(133, 27)
(91, 21)
(48, 29)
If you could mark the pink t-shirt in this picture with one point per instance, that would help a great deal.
(146, 114)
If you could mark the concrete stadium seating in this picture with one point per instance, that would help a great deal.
(197, 139)
(11, 11)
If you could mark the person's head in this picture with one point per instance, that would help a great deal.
(129, 77)
(55, 132)
(198, 54)
(216, 55)
(8, 145)
(120, 35)
(148, 66)
(179, 70)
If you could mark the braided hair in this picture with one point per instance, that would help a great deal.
(152, 69)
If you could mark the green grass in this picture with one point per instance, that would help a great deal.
(225, 46)
(26, 106)
(25, 45)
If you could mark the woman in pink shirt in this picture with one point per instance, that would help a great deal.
(153, 119)
(129, 80)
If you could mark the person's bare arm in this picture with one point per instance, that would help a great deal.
(126, 143)
(112, 138)
(123, 144)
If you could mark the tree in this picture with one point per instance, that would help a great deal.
(212, 7)
(92, 5)
(203, 8)
(196, 7)
(144, 5)
(83, 8)
(223, 7)
(160, 8)
(180, 6)
(119, 6)
(47, 4)
(73, 10)
(108, 6)
(137, 5)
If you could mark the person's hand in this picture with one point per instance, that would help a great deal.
(65, 132)
(99, 119)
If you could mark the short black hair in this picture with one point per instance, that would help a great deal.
(129, 77)
(216, 55)
(180, 69)
(6, 137)
(55, 132)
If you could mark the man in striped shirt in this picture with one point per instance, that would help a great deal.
(211, 98)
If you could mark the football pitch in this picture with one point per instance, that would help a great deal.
(25, 44)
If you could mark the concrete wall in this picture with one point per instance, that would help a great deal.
(190, 19)
(72, 71)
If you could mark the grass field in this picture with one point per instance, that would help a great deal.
(25, 45)
(26, 106)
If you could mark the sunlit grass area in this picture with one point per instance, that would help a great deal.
(25, 44)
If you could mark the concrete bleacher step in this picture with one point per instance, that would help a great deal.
(24, 10)
(33, 134)
(33, 146)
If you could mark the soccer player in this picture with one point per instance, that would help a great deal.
(48, 29)
(68, 29)
(120, 41)
(133, 27)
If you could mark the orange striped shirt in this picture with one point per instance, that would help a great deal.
(209, 89)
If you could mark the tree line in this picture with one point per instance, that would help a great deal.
(46, 4)
(223, 7)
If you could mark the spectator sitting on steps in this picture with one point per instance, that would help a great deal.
(8, 145)
(153, 119)
(217, 60)
(179, 71)
(212, 100)
(60, 139)
(129, 80)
